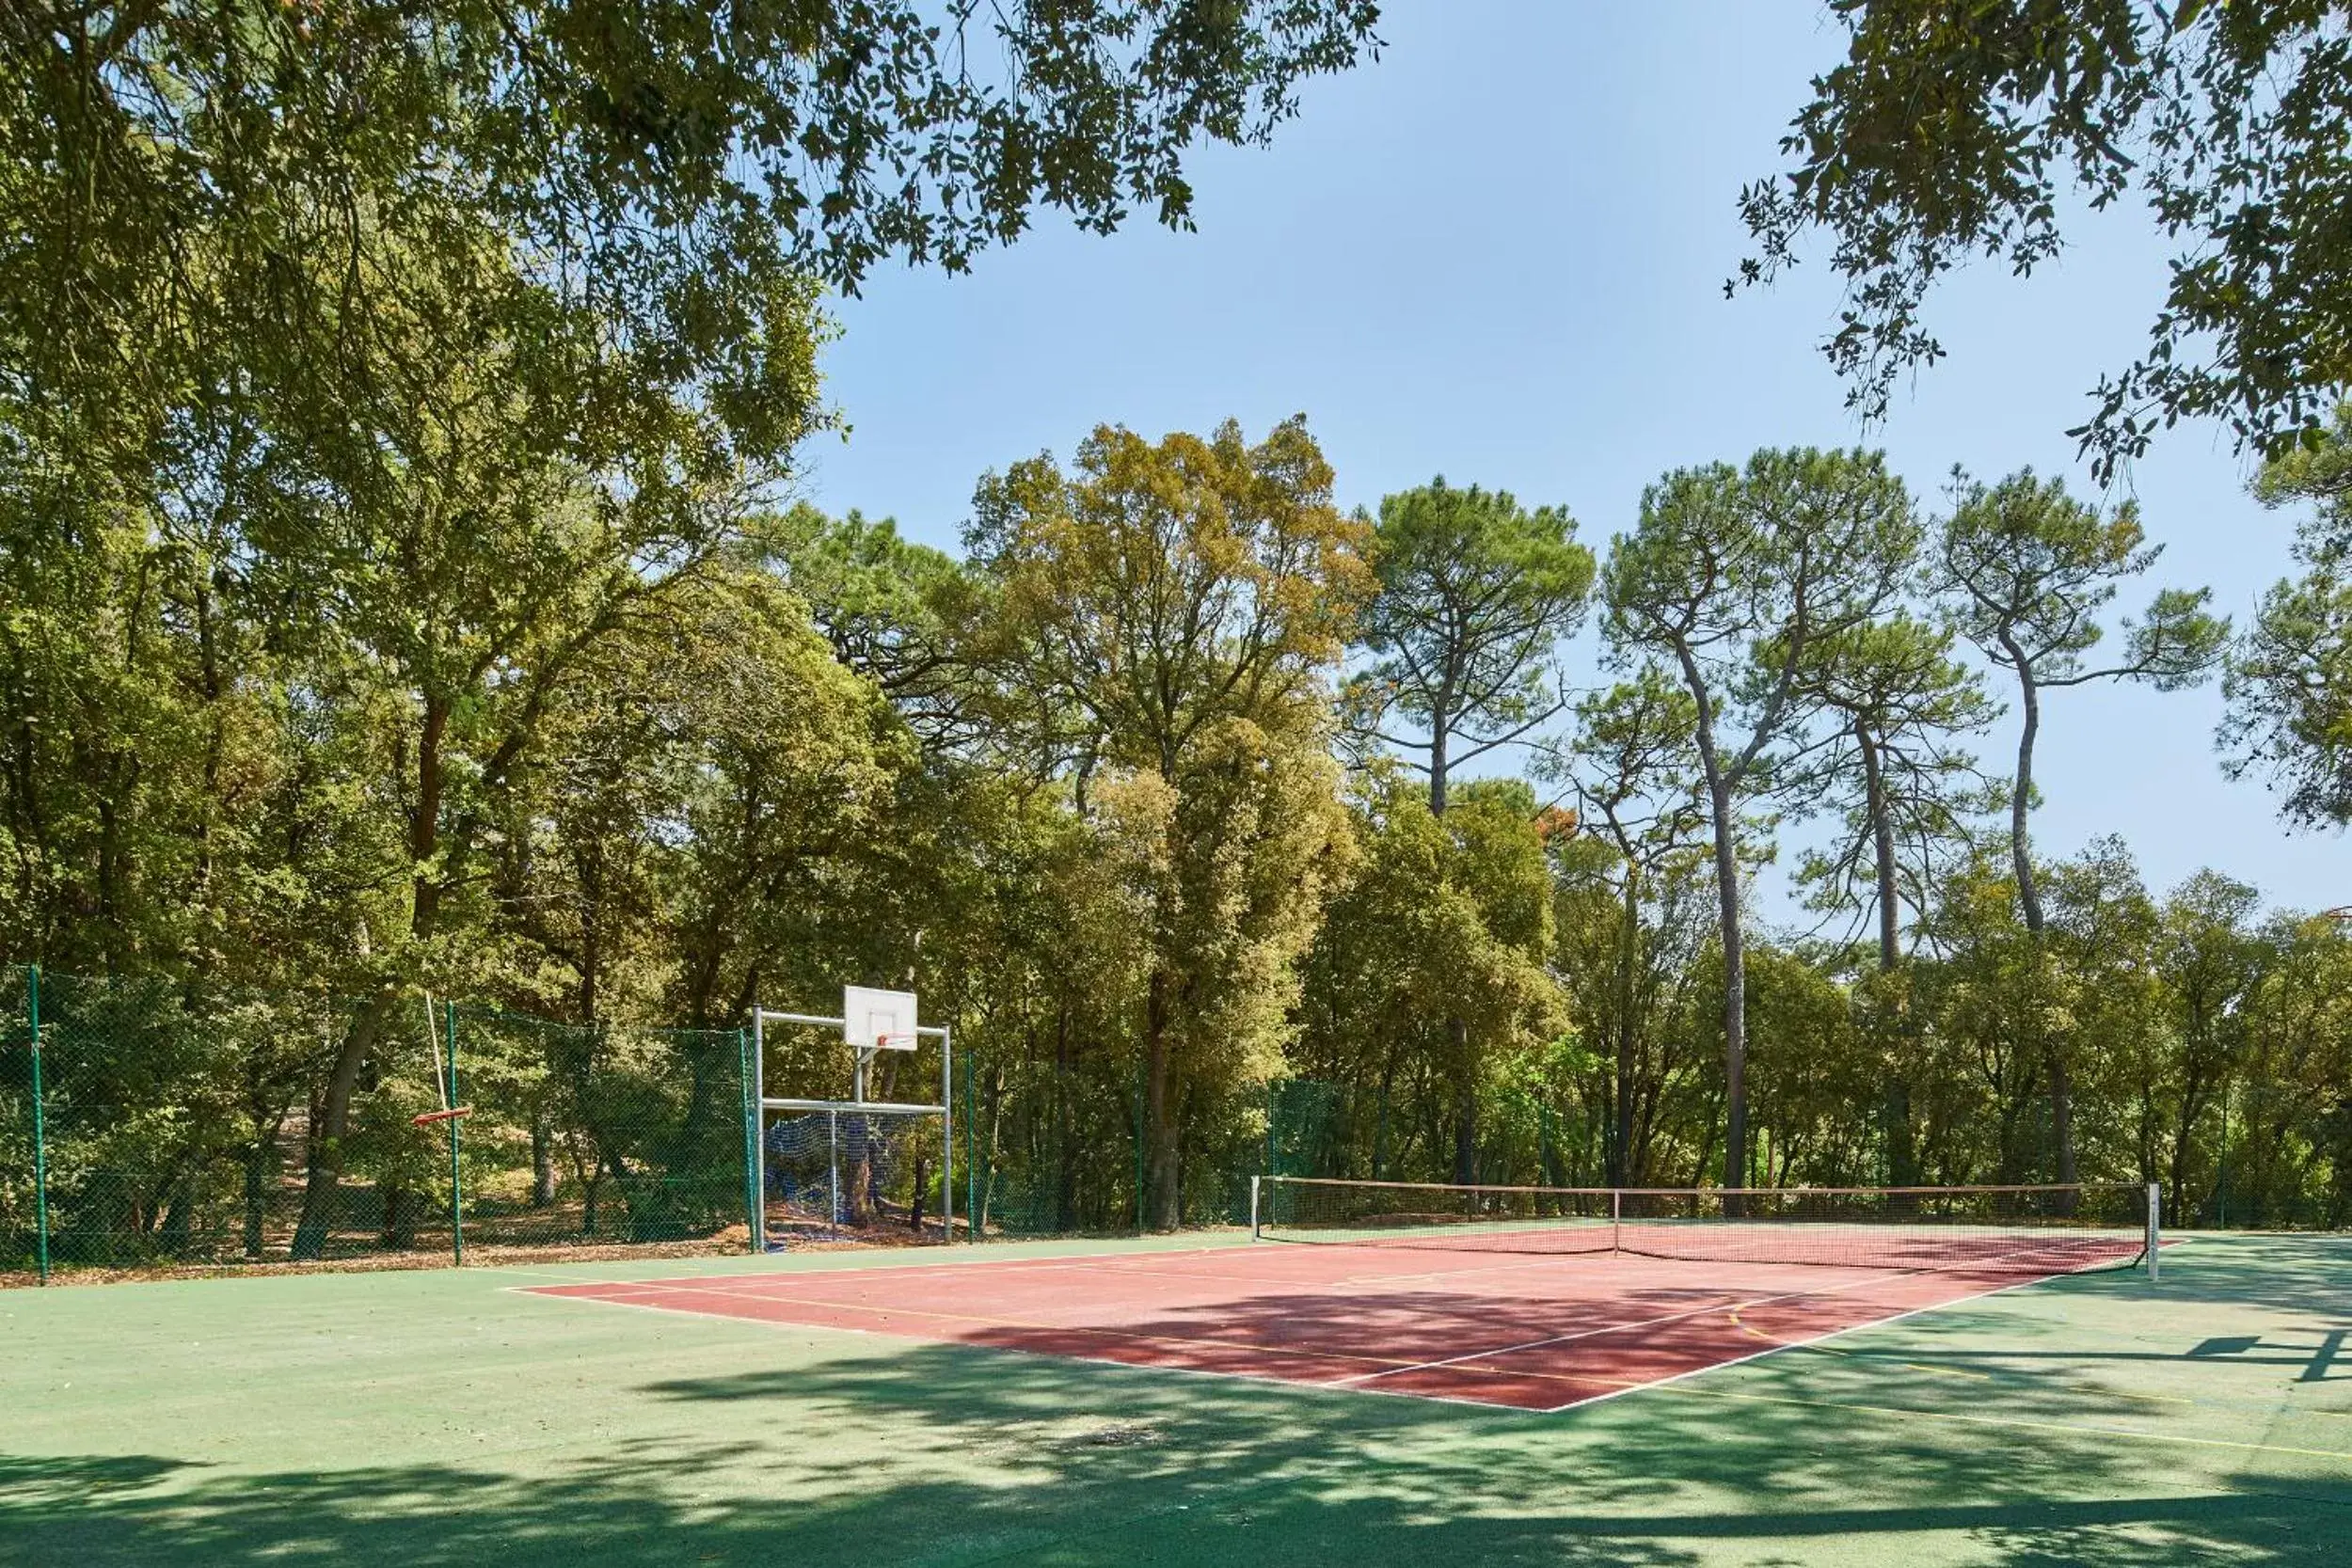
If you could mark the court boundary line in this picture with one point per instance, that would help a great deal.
(2020, 1422)
(1358, 1383)
(1388, 1365)
(1260, 1378)
(1010, 1324)
(1811, 1340)
(1732, 1307)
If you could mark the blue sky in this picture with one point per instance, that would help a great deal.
(1498, 254)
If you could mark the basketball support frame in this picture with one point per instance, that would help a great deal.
(762, 1104)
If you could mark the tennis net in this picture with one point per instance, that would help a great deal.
(2000, 1230)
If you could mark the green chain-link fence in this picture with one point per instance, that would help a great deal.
(180, 1125)
(162, 1125)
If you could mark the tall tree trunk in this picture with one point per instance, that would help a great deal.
(326, 1144)
(1734, 983)
(1719, 789)
(1465, 1103)
(1161, 1207)
(1902, 1160)
(1439, 765)
(1456, 1029)
(333, 1125)
(1882, 848)
(2029, 902)
(1617, 1158)
(2021, 794)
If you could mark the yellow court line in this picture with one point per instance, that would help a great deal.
(1174, 1340)
(2016, 1422)
(1832, 1350)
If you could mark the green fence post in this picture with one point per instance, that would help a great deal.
(971, 1145)
(1142, 1092)
(41, 1128)
(457, 1183)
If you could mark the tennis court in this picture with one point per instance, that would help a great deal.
(518, 1414)
(1482, 1303)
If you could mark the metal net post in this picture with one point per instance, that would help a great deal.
(759, 1130)
(749, 1090)
(456, 1177)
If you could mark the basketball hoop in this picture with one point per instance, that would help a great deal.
(426, 1118)
(896, 1042)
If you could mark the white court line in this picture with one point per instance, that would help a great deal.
(1723, 1303)
(1811, 1339)
(1361, 1383)
(1294, 1385)
(1880, 1278)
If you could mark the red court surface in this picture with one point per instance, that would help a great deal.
(1528, 1332)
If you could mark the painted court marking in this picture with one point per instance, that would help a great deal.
(1545, 1331)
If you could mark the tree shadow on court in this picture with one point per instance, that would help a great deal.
(948, 1455)
(2278, 1272)
(954, 1455)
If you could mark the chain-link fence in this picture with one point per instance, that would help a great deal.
(179, 1125)
(162, 1124)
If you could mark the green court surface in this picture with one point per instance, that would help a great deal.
(442, 1419)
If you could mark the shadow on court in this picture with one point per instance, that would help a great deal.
(518, 1432)
(948, 1455)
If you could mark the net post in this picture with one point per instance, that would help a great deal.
(456, 1181)
(41, 1126)
(759, 1129)
(2156, 1228)
(750, 1108)
(1256, 1233)
(1616, 1219)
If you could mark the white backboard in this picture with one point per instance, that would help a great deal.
(869, 1015)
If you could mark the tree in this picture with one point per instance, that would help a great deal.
(1738, 579)
(1476, 592)
(2026, 571)
(670, 166)
(893, 610)
(1900, 701)
(1427, 970)
(1908, 793)
(1177, 610)
(1629, 880)
(2289, 681)
(2291, 1155)
(1952, 132)
(2210, 960)
(468, 563)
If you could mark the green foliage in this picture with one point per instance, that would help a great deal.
(1427, 980)
(2289, 681)
(1476, 592)
(1742, 582)
(1166, 621)
(1951, 131)
(2026, 571)
(1892, 766)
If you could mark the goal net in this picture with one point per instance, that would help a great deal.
(853, 1172)
(861, 1145)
